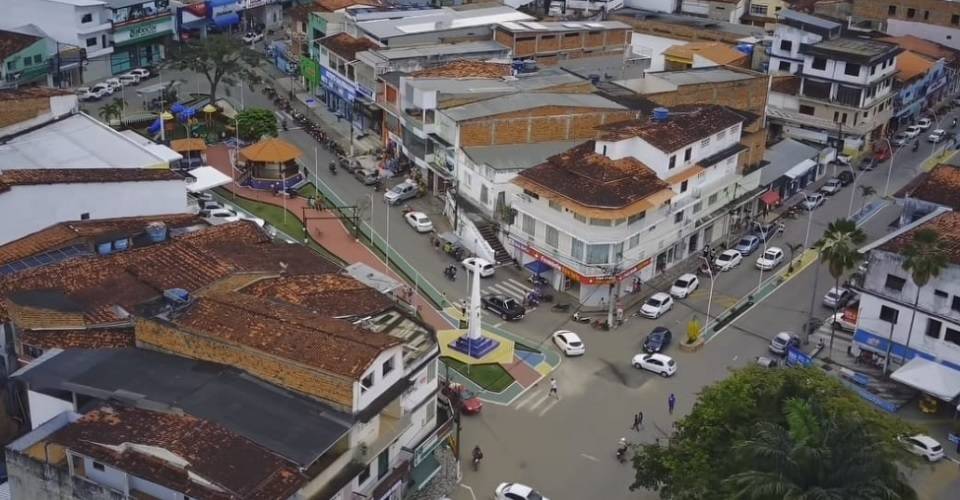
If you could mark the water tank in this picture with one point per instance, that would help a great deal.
(529, 65)
(121, 245)
(157, 231)
(105, 248)
(661, 114)
(594, 78)
(176, 295)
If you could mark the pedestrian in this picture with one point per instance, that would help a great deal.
(619, 314)
(671, 402)
(553, 388)
(639, 420)
(636, 422)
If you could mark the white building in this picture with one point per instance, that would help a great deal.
(645, 195)
(928, 354)
(667, 6)
(85, 24)
(729, 11)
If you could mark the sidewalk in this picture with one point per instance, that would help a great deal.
(328, 232)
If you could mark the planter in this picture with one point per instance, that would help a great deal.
(692, 347)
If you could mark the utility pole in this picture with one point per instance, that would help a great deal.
(813, 301)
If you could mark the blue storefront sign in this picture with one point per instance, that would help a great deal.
(224, 13)
(333, 82)
(796, 357)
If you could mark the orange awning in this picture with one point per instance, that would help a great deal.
(770, 198)
(187, 145)
(271, 151)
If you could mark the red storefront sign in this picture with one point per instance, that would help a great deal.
(586, 280)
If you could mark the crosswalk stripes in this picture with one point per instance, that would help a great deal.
(537, 401)
(510, 287)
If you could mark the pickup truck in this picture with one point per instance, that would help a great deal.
(506, 307)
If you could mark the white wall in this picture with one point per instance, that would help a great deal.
(37, 207)
(59, 20)
(381, 383)
(60, 105)
(668, 6)
(110, 477)
(939, 34)
(695, 7)
(653, 46)
(424, 383)
(43, 407)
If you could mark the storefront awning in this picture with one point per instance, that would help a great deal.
(538, 267)
(930, 377)
(770, 198)
(227, 20)
(207, 178)
(800, 169)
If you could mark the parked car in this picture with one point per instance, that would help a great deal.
(657, 363)
(728, 260)
(517, 491)
(837, 298)
(473, 263)
(367, 176)
(401, 192)
(129, 79)
(832, 186)
(684, 286)
(767, 362)
(912, 131)
(924, 123)
(765, 231)
(657, 305)
(868, 164)
(87, 94)
(101, 90)
(419, 221)
(657, 340)
(141, 73)
(924, 446)
(812, 201)
(770, 259)
(843, 160)
(219, 215)
(252, 37)
(114, 83)
(900, 140)
(937, 136)
(782, 342)
(569, 343)
(748, 244)
(461, 395)
(846, 178)
(506, 307)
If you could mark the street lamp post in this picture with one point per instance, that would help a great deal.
(763, 239)
(893, 155)
(706, 323)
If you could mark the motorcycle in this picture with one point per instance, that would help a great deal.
(333, 168)
(450, 272)
(538, 280)
(580, 319)
(622, 448)
(560, 307)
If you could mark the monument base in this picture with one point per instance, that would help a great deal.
(475, 348)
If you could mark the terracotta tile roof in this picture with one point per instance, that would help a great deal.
(346, 46)
(330, 294)
(594, 180)
(12, 42)
(71, 232)
(911, 65)
(335, 5)
(31, 93)
(947, 227)
(941, 185)
(94, 338)
(686, 125)
(923, 47)
(789, 85)
(464, 68)
(272, 258)
(122, 437)
(284, 330)
(26, 177)
(717, 52)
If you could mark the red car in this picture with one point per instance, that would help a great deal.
(459, 394)
(881, 153)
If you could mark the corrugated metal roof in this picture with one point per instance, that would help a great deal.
(522, 101)
(783, 156)
(809, 19)
(517, 156)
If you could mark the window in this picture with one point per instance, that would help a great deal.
(598, 254)
(601, 222)
(952, 336)
(678, 217)
(531, 194)
(468, 180)
(27, 61)
(618, 251)
(895, 283)
(807, 110)
(579, 217)
(86, 18)
(956, 303)
(85, 216)
(851, 69)
(933, 328)
(11, 65)
(431, 371)
(576, 249)
(363, 476)
(758, 10)
(889, 314)
(554, 205)
(91, 41)
(687, 153)
(819, 63)
(911, 13)
(704, 143)
(366, 382)
(484, 194)
(712, 199)
(636, 217)
(940, 294)
(697, 206)
(529, 224)
(721, 134)
(786, 45)
(634, 241)
(37, 59)
(926, 15)
(553, 237)
(673, 162)
(892, 10)
(784, 66)
(955, 19)
(99, 466)
(383, 463)
(387, 366)
(683, 186)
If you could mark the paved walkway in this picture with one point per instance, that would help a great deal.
(328, 232)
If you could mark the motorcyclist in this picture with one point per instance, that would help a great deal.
(477, 454)
(621, 448)
(333, 167)
(953, 124)
(916, 144)
(283, 123)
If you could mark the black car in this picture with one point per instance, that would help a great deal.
(846, 177)
(658, 340)
(506, 307)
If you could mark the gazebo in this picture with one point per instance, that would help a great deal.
(271, 164)
(192, 151)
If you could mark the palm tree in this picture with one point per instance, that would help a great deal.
(794, 248)
(108, 112)
(813, 456)
(838, 248)
(866, 192)
(924, 258)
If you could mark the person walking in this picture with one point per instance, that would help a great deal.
(553, 388)
(671, 402)
(639, 420)
(636, 422)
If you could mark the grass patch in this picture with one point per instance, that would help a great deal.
(307, 190)
(491, 376)
(524, 347)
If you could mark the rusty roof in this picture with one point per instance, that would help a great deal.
(31, 93)
(923, 47)
(717, 52)
(947, 226)
(331, 294)
(911, 65)
(941, 185)
(684, 126)
(335, 5)
(125, 438)
(39, 176)
(465, 68)
(68, 233)
(93, 338)
(789, 85)
(291, 332)
(12, 42)
(346, 46)
(594, 180)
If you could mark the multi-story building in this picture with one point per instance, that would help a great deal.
(764, 12)
(919, 83)
(846, 83)
(72, 24)
(139, 32)
(937, 91)
(729, 11)
(644, 195)
(550, 42)
(256, 14)
(918, 326)
(934, 20)
(24, 59)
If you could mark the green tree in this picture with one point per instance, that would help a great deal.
(713, 442)
(866, 192)
(108, 112)
(220, 58)
(924, 257)
(838, 248)
(255, 123)
(794, 248)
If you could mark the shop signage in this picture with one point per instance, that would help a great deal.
(585, 280)
(252, 4)
(338, 85)
(796, 357)
(220, 8)
(142, 30)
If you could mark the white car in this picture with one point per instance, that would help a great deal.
(419, 222)
(141, 73)
(101, 90)
(924, 123)
(924, 446)
(770, 259)
(569, 343)
(913, 131)
(114, 83)
(832, 186)
(220, 215)
(684, 286)
(252, 37)
(660, 364)
(474, 263)
(937, 136)
(256, 220)
(657, 305)
(812, 200)
(728, 260)
(87, 94)
(129, 79)
(517, 491)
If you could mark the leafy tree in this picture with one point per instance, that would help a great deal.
(220, 58)
(838, 249)
(112, 110)
(725, 447)
(924, 258)
(255, 123)
(794, 248)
